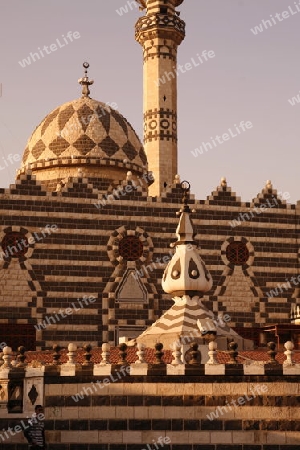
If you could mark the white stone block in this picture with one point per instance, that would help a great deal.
(254, 369)
(221, 437)
(4, 373)
(33, 387)
(104, 369)
(276, 437)
(67, 370)
(291, 370)
(34, 371)
(132, 437)
(178, 369)
(139, 369)
(214, 369)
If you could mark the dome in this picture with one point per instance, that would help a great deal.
(84, 132)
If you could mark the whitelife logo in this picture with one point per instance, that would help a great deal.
(10, 159)
(294, 100)
(244, 126)
(129, 6)
(49, 49)
(20, 428)
(12, 250)
(54, 318)
(195, 62)
(279, 17)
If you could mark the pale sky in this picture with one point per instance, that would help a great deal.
(251, 78)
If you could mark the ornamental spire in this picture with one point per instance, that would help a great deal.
(184, 231)
(186, 273)
(85, 82)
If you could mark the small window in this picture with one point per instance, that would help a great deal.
(163, 10)
(237, 253)
(131, 248)
(14, 245)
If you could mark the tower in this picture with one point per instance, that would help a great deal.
(160, 31)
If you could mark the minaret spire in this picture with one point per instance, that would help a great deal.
(85, 82)
(160, 32)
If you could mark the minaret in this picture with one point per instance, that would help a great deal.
(160, 32)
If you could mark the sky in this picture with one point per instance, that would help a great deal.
(252, 78)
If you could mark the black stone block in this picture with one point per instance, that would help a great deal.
(117, 424)
(98, 424)
(211, 424)
(233, 425)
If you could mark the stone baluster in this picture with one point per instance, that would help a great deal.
(159, 353)
(140, 353)
(1, 359)
(72, 349)
(177, 355)
(21, 357)
(123, 354)
(87, 355)
(105, 354)
(212, 353)
(7, 357)
(56, 354)
(195, 354)
(288, 353)
(272, 352)
(232, 352)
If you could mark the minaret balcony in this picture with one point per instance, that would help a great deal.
(166, 26)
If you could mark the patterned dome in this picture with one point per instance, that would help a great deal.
(84, 130)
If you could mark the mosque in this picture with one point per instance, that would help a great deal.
(86, 262)
(86, 227)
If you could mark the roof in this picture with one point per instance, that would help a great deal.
(45, 357)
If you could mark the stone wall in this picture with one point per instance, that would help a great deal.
(81, 258)
(253, 406)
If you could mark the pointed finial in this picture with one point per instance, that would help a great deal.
(186, 272)
(85, 82)
(184, 231)
(185, 186)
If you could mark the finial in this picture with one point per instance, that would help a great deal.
(185, 186)
(184, 231)
(85, 82)
(186, 272)
(223, 182)
(269, 184)
(177, 179)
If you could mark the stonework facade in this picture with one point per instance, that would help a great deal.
(80, 257)
(84, 242)
(85, 235)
